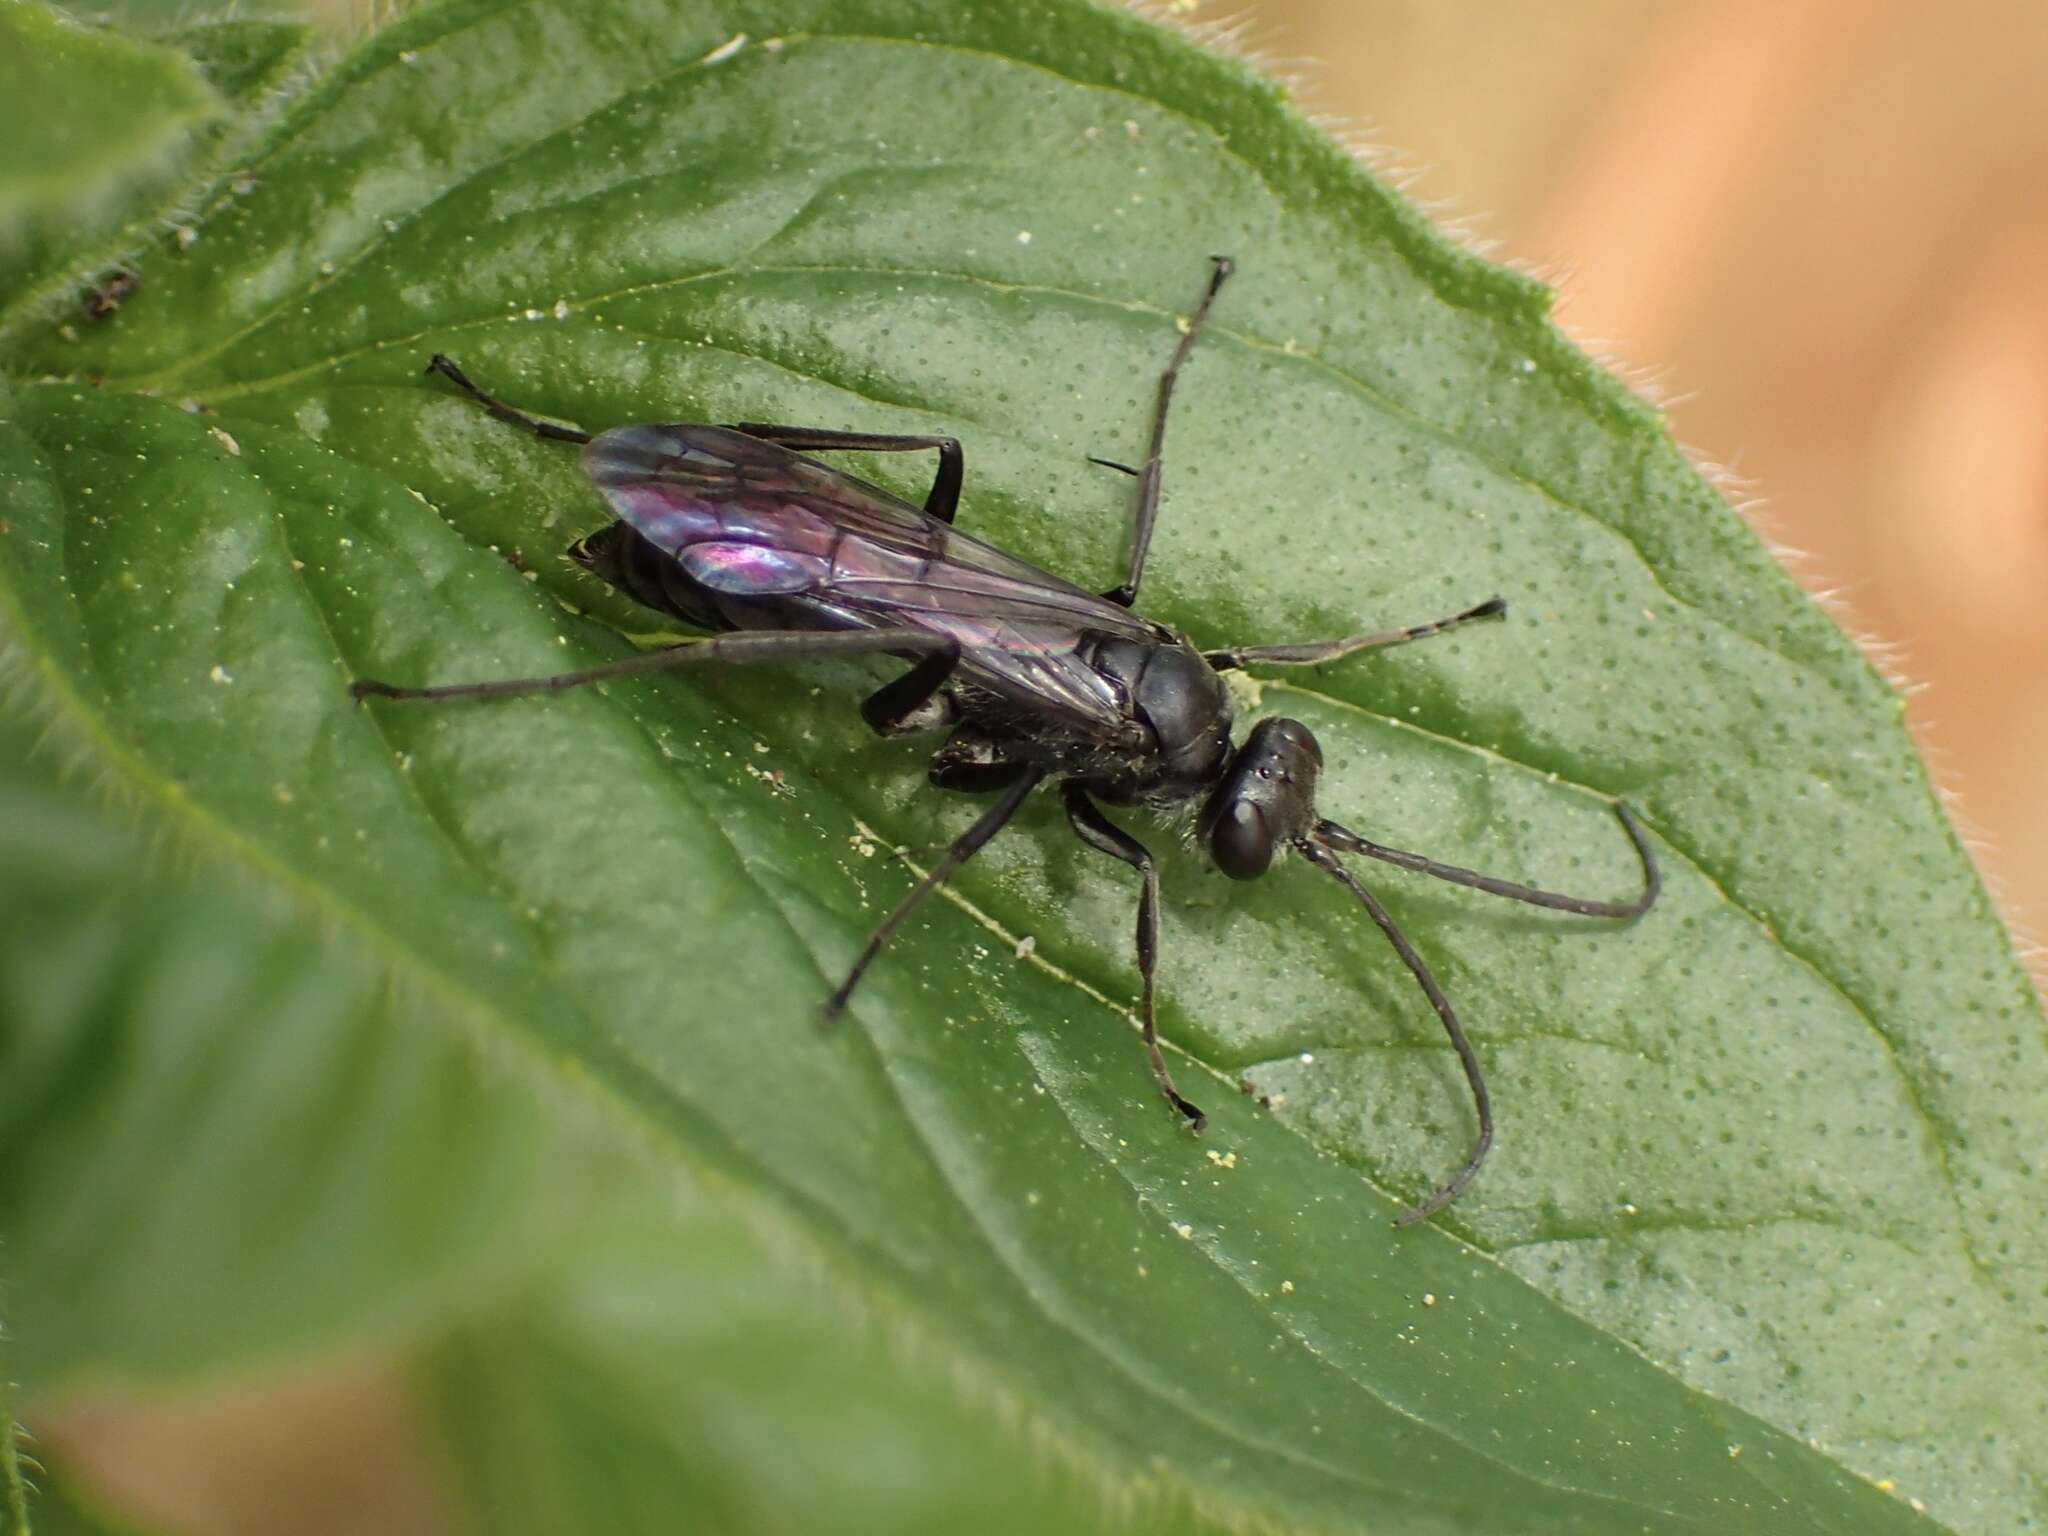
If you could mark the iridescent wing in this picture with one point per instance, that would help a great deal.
(793, 540)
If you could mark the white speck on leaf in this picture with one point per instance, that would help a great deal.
(726, 49)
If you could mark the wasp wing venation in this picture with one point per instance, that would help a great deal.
(752, 521)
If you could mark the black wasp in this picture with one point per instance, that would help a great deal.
(730, 529)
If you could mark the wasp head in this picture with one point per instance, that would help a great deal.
(1266, 800)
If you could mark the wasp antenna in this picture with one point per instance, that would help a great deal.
(1344, 840)
(1324, 857)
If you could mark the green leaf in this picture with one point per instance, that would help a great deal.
(13, 1489)
(1759, 1217)
(220, 1146)
(230, 1150)
(676, 1365)
(80, 107)
(71, 264)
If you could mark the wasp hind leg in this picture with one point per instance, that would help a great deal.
(746, 647)
(549, 430)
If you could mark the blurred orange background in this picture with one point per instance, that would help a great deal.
(1818, 230)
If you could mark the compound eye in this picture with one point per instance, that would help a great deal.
(1239, 841)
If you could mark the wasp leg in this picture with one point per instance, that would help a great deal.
(747, 646)
(902, 705)
(942, 501)
(973, 761)
(1098, 832)
(1145, 508)
(964, 847)
(1312, 652)
(547, 429)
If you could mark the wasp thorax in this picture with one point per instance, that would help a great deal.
(1266, 800)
